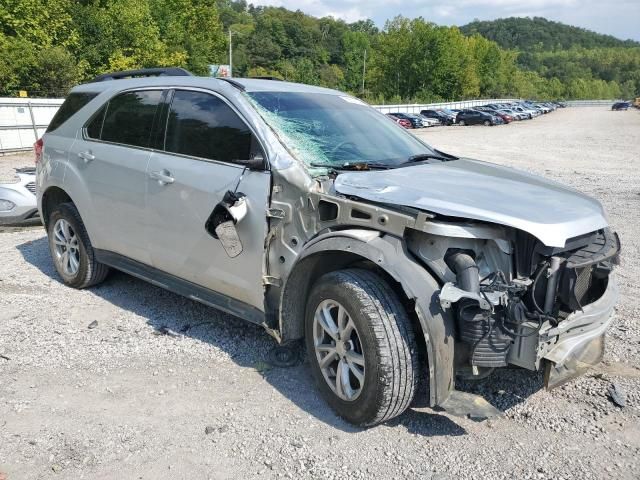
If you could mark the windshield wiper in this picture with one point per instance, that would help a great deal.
(426, 156)
(354, 166)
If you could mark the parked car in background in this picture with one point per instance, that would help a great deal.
(621, 106)
(18, 197)
(527, 111)
(429, 122)
(506, 118)
(536, 106)
(441, 116)
(451, 112)
(416, 122)
(403, 122)
(514, 114)
(477, 117)
(496, 112)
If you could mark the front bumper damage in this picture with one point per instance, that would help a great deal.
(577, 343)
(566, 350)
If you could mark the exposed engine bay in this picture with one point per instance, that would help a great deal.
(508, 291)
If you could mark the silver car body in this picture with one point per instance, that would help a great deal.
(301, 223)
(21, 192)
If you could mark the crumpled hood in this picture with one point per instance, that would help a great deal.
(483, 191)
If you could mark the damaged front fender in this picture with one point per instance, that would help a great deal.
(391, 255)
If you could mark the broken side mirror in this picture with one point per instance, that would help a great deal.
(221, 224)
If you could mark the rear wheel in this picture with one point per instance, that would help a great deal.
(71, 250)
(361, 346)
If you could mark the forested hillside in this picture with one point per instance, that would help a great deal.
(539, 33)
(579, 59)
(47, 46)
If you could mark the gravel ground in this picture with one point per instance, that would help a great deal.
(128, 381)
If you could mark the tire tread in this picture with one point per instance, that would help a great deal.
(397, 348)
(96, 272)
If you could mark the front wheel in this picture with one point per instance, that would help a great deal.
(361, 345)
(487, 123)
(461, 122)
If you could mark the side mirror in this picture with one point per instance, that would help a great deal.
(221, 224)
(255, 163)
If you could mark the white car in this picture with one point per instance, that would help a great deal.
(429, 122)
(18, 197)
(528, 111)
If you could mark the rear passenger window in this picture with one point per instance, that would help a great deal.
(202, 125)
(73, 103)
(94, 128)
(129, 118)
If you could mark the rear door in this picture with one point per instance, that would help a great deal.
(204, 138)
(111, 156)
(476, 118)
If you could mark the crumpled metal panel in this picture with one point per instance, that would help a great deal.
(466, 188)
(577, 343)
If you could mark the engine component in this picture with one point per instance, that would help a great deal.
(479, 328)
(466, 270)
(483, 330)
(552, 285)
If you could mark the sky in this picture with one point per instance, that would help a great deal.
(620, 18)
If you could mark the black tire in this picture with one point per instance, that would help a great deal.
(461, 123)
(487, 123)
(90, 272)
(387, 340)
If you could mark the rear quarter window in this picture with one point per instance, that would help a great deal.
(73, 103)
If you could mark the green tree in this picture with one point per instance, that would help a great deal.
(190, 29)
(354, 45)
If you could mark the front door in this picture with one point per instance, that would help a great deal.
(203, 140)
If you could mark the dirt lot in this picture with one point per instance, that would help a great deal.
(163, 387)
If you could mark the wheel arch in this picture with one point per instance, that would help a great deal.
(51, 198)
(389, 256)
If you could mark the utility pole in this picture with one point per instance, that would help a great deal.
(230, 56)
(364, 69)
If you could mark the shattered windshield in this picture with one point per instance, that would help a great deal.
(331, 130)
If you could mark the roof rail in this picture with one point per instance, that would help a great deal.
(230, 81)
(267, 78)
(144, 72)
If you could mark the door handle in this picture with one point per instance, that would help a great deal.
(87, 156)
(163, 177)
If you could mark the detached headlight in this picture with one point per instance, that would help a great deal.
(6, 205)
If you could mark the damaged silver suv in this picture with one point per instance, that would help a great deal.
(304, 210)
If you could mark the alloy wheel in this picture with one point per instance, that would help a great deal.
(67, 250)
(338, 350)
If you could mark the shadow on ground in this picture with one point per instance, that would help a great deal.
(248, 346)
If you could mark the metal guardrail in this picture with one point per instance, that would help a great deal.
(416, 107)
(591, 103)
(23, 121)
